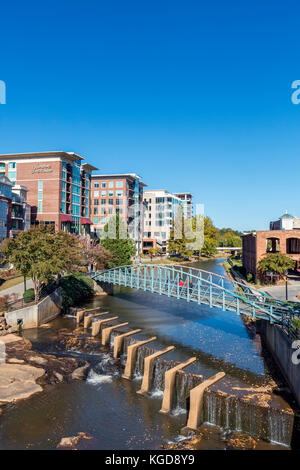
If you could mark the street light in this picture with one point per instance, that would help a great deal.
(286, 286)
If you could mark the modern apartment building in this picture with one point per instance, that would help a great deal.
(58, 186)
(5, 206)
(187, 204)
(20, 210)
(119, 193)
(160, 210)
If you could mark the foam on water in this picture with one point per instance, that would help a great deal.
(96, 379)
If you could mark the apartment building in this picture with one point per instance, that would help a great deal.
(160, 208)
(118, 193)
(187, 204)
(5, 206)
(58, 186)
(20, 210)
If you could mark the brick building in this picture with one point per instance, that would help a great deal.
(58, 186)
(256, 245)
(123, 194)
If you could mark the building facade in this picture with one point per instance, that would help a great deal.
(122, 194)
(187, 204)
(20, 210)
(285, 222)
(58, 186)
(160, 208)
(5, 206)
(256, 245)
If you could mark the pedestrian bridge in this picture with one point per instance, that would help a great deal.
(202, 287)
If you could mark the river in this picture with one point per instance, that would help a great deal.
(107, 406)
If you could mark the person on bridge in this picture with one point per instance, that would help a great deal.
(181, 283)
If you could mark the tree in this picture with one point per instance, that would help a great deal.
(115, 239)
(41, 254)
(209, 247)
(178, 245)
(275, 262)
(94, 253)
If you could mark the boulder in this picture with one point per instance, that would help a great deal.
(80, 373)
(18, 381)
(38, 360)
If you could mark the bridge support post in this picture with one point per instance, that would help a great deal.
(106, 332)
(88, 319)
(148, 369)
(195, 416)
(96, 327)
(131, 356)
(118, 341)
(80, 316)
(170, 376)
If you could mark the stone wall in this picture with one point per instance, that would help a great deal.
(35, 315)
(280, 346)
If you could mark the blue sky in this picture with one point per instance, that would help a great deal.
(193, 95)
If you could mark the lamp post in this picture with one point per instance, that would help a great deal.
(286, 286)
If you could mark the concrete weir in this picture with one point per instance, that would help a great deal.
(88, 319)
(118, 341)
(148, 369)
(81, 313)
(106, 332)
(96, 326)
(131, 356)
(196, 401)
(170, 376)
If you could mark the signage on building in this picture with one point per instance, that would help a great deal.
(42, 169)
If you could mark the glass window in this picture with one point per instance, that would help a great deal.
(95, 220)
(40, 183)
(103, 185)
(12, 165)
(96, 193)
(63, 207)
(103, 202)
(2, 167)
(40, 206)
(103, 220)
(119, 193)
(119, 184)
(111, 202)
(95, 210)
(96, 185)
(103, 193)
(111, 184)
(96, 202)
(110, 193)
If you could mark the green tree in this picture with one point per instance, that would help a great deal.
(115, 240)
(275, 262)
(94, 254)
(178, 243)
(42, 254)
(209, 247)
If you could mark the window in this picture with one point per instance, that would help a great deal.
(111, 184)
(110, 210)
(40, 196)
(119, 193)
(96, 202)
(12, 165)
(95, 220)
(110, 193)
(103, 220)
(118, 202)
(96, 193)
(95, 210)
(103, 211)
(119, 184)
(111, 202)
(103, 185)
(103, 202)
(103, 193)
(96, 185)
(2, 167)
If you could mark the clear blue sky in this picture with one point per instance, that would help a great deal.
(193, 95)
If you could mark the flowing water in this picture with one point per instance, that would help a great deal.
(107, 406)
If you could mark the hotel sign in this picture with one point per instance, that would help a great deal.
(42, 169)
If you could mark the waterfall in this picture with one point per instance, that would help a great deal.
(230, 412)
(184, 382)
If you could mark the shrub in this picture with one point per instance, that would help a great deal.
(28, 295)
(249, 277)
(75, 288)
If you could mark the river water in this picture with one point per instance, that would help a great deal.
(107, 406)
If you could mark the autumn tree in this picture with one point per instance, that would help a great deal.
(94, 253)
(276, 263)
(42, 254)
